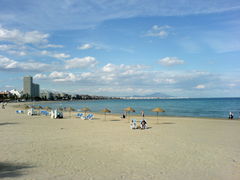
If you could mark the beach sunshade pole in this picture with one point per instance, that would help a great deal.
(70, 109)
(105, 112)
(128, 110)
(157, 110)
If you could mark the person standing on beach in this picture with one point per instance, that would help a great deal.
(142, 113)
(230, 115)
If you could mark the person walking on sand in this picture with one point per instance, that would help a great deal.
(142, 113)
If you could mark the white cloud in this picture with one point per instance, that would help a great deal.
(60, 55)
(4, 47)
(7, 64)
(18, 53)
(165, 80)
(40, 76)
(55, 55)
(85, 46)
(85, 62)
(13, 49)
(131, 78)
(63, 76)
(159, 31)
(232, 85)
(170, 61)
(18, 37)
(109, 68)
(93, 45)
(200, 86)
(53, 46)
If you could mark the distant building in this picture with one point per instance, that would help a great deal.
(46, 95)
(15, 92)
(4, 95)
(29, 88)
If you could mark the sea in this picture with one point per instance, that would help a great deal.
(187, 107)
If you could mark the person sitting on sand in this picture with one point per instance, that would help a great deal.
(143, 124)
(133, 124)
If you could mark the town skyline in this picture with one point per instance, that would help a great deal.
(122, 48)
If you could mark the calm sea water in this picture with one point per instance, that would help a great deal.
(202, 107)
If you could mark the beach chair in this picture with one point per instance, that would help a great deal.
(46, 113)
(31, 112)
(88, 117)
(19, 111)
(133, 124)
(79, 115)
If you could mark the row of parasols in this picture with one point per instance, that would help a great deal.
(86, 109)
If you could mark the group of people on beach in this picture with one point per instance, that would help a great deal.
(143, 123)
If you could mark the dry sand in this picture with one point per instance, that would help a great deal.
(40, 148)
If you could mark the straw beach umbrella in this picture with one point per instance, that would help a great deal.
(105, 110)
(47, 108)
(39, 107)
(70, 109)
(26, 106)
(129, 109)
(85, 110)
(157, 110)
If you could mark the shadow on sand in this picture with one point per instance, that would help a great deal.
(115, 120)
(12, 170)
(7, 123)
(167, 123)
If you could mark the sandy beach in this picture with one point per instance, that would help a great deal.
(178, 148)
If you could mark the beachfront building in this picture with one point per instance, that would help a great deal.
(4, 95)
(15, 93)
(46, 95)
(29, 88)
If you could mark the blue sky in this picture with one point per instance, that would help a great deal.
(125, 47)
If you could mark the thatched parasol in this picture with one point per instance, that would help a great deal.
(128, 110)
(48, 108)
(26, 106)
(39, 107)
(105, 110)
(157, 110)
(85, 110)
(70, 109)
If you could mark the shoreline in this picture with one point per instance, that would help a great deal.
(119, 114)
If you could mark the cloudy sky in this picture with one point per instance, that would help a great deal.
(122, 47)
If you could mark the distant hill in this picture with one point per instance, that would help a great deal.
(158, 94)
